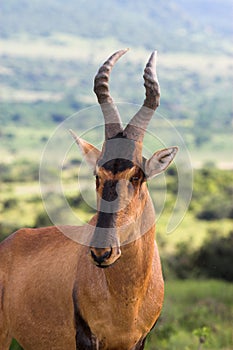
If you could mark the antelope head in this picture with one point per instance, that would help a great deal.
(124, 209)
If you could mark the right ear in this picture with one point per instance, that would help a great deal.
(159, 161)
(90, 153)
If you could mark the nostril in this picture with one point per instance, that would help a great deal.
(93, 255)
(107, 254)
(101, 258)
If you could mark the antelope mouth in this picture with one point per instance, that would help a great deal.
(104, 257)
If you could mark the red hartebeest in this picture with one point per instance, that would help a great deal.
(56, 294)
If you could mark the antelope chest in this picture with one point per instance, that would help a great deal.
(116, 325)
(118, 320)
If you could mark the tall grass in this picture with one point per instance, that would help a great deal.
(196, 315)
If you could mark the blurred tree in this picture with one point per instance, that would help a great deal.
(215, 258)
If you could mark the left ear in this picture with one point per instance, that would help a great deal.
(89, 152)
(159, 161)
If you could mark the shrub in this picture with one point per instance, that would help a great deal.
(215, 258)
(215, 208)
(9, 203)
(42, 220)
(180, 264)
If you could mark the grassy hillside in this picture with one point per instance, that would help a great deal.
(47, 68)
(173, 25)
(195, 316)
(45, 81)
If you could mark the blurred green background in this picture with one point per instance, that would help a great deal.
(49, 54)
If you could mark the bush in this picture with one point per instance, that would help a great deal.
(58, 118)
(215, 208)
(212, 194)
(9, 203)
(42, 220)
(215, 258)
(181, 264)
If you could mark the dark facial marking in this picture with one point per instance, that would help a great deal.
(109, 192)
(104, 234)
(105, 220)
(118, 165)
(106, 216)
(118, 155)
(120, 135)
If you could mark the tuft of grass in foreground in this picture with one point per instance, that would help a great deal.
(196, 315)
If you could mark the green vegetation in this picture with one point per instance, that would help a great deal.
(171, 25)
(203, 120)
(196, 315)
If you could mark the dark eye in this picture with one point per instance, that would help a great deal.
(134, 179)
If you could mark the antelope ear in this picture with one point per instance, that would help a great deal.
(159, 161)
(89, 152)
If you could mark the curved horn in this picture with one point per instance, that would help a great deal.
(137, 126)
(111, 115)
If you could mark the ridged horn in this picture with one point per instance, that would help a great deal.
(137, 126)
(111, 115)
